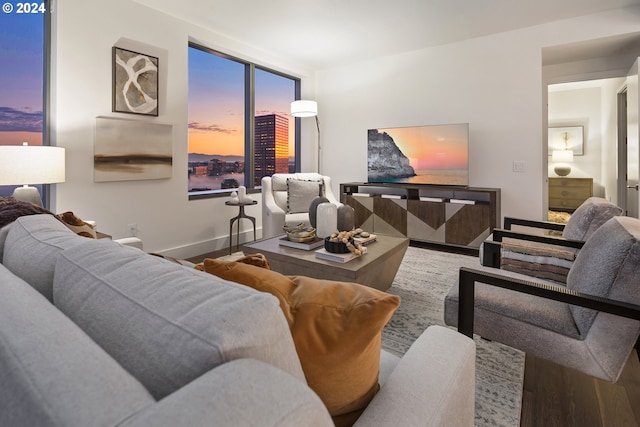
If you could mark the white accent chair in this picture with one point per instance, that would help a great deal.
(286, 203)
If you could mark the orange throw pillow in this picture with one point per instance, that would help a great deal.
(336, 328)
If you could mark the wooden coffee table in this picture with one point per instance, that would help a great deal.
(376, 269)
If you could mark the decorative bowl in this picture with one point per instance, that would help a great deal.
(300, 233)
(336, 247)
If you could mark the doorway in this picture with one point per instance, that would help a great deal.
(629, 144)
(589, 110)
(602, 61)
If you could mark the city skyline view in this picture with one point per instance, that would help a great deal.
(216, 103)
(216, 131)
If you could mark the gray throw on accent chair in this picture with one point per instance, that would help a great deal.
(543, 255)
(590, 325)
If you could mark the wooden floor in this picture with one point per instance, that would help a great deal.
(558, 396)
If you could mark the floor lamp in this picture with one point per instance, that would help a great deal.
(31, 164)
(306, 108)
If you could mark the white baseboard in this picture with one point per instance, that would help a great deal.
(199, 248)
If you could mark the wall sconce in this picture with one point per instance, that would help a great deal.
(307, 108)
(31, 164)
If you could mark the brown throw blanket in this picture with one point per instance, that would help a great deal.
(12, 209)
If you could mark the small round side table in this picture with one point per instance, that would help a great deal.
(240, 215)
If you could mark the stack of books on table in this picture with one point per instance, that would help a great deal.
(307, 246)
(364, 241)
(330, 256)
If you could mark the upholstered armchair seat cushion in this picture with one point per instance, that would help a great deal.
(497, 304)
(296, 218)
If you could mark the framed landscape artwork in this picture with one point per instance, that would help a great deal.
(131, 150)
(567, 138)
(135, 82)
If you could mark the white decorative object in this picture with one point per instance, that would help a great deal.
(234, 198)
(327, 219)
(242, 195)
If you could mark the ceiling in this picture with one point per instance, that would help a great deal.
(326, 33)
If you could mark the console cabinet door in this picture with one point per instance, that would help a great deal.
(446, 222)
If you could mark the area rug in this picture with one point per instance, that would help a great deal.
(423, 280)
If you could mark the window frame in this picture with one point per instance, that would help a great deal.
(46, 92)
(249, 121)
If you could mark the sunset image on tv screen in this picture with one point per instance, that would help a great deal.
(435, 154)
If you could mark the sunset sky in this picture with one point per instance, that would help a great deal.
(433, 147)
(216, 103)
(21, 46)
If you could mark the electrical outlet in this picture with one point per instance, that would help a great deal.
(132, 230)
(518, 166)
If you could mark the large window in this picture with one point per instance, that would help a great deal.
(22, 75)
(240, 126)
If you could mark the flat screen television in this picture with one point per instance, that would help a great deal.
(432, 154)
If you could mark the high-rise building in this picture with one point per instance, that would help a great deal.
(271, 146)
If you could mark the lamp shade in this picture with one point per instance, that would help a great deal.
(304, 108)
(562, 156)
(31, 164)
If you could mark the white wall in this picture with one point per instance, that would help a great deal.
(494, 83)
(84, 32)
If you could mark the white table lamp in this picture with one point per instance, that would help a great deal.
(562, 158)
(31, 164)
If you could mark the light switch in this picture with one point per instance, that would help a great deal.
(518, 166)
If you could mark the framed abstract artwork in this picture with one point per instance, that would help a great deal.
(135, 82)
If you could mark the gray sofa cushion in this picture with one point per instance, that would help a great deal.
(607, 266)
(51, 373)
(589, 216)
(167, 324)
(32, 246)
(244, 393)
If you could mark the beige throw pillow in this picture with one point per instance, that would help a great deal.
(300, 193)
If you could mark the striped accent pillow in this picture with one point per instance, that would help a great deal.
(537, 260)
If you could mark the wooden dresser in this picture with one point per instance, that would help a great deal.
(569, 193)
